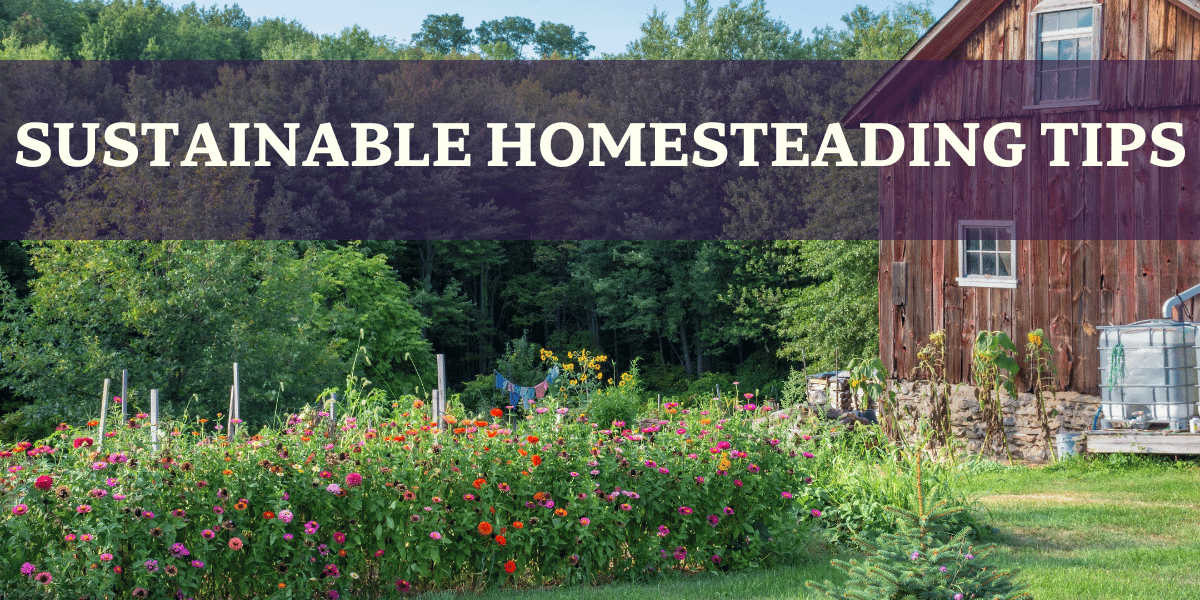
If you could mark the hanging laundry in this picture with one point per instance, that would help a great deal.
(539, 390)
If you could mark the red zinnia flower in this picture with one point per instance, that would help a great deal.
(501, 540)
(537, 460)
(44, 482)
(510, 566)
(268, 515)
(479, 483)
(497, 412)
(83, 441)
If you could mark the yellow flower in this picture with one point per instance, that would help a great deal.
(1035, 338)
(574, 382)
(724, 464)
(569, 367)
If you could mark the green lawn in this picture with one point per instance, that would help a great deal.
(1121, 529)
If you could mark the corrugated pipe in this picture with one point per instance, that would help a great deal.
(1177, 300)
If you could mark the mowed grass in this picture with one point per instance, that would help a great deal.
(1097, 529)
(1126, 528)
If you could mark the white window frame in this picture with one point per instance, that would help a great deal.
(1033, 45)
(987, 281)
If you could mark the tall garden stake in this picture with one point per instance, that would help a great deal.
(154, 420)
(124, 395)
(103, 412)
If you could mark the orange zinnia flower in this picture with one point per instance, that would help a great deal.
(491, 434)
(485, 528)
(495, 412)
(459, 430)
(93, 423)
(227, 472)
(539, 496)
(562, 512)
(241, 505)
(522, 452)
(481, 423)
(449, 419)
(537, 460)
(479, 483)
(518, 525)
(533, 439)
(500, 540)
(510, 566)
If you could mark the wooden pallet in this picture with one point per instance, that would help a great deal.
(1142, 442)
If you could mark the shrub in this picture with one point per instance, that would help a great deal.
(922, 560)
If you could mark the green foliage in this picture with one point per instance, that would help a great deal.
(177, 314)
(795, 388)
(995, 371)
(561, 41)
(510, 33)
(923, 559)
(761, 372)
(443, 34)
(617, 402)
(735, 32)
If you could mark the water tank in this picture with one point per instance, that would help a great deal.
(1149, 367)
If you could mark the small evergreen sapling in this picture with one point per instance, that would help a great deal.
(923, 560)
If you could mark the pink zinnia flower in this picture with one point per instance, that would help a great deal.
(435, 535)
(353, 480)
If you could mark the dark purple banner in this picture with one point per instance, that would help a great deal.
(600, 150)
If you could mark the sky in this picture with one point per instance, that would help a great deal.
(609, 24)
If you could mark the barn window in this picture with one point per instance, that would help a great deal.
(1065, 48)
(987, 254)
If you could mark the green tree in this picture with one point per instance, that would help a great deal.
(442, 34)
(177, 314)
(735, 32)
(505, 38)
(557, 39)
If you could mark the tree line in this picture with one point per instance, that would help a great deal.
(300, 315)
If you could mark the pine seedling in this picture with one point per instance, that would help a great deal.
(922, 560)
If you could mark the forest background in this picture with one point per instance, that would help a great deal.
(297, 316)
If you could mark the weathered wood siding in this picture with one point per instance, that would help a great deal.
(1070, 280)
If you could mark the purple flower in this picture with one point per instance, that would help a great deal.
(943, 569)
(815, 512)
(914, 556)
(585, 521)
(286, 516)
(685, 510)
(353, 480)
(178, 550)
(288, 537)
(663, 531)
(435, 535)
(219, 509)
(27, 569)
(968, 556)
(787, 495)
(151, 566)
(43, 578)
(716, 559)
(199, 564)
(714, 520)
(311, 527)
(208, 534)
(333, 488)
(728, 511)
(680, 553)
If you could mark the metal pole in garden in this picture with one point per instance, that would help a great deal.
(441, 379)
(154, 420)
(229, 419)
(236, 415)
(333, 414)
(124, 395)
(103, 412)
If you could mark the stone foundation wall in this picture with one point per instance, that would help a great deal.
(1075, 413)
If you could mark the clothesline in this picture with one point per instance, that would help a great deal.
(521, 395)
